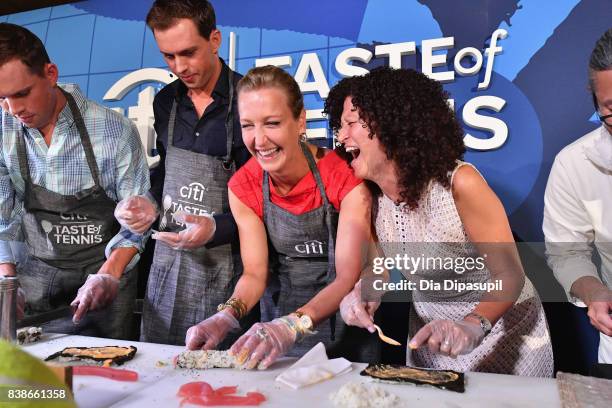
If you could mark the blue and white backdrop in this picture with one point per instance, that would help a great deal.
(515, 69)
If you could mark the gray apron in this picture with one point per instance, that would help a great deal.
(185, 287)
(304, 248)
(65, 238)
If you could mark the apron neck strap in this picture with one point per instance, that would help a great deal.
(266, 189)
(85, 141)
(171, 122)
(229, 122)
(315, 172)
(22, 156)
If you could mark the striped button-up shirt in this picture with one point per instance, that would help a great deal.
(62, 167)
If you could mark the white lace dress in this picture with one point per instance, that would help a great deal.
(518, 344)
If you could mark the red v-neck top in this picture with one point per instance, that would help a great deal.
(337, 177)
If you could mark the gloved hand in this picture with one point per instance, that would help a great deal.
(264, 343)
(98, 291)
(136, 213)
(356, 312)
(21, 301)
(198, 231)
(210, 332)
(449, 337)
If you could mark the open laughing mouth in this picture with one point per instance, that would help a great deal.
(353, 151)
(268, 154)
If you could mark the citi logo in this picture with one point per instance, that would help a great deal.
(73, 217)
(313, 247)
(193, 192)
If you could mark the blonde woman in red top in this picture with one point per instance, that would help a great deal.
(304, 223)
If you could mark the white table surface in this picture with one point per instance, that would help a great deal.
(157, 386)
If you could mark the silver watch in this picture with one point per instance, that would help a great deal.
(485, 324)
(305, 321)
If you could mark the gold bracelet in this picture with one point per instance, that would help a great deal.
(237, 305)
(241, 305)
(237, 313)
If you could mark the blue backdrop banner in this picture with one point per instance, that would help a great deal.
(516, 70)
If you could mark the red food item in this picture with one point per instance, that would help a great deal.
(199, 388)
(226, 390)
(201, 393)
(252, 398)
(194, 401)
(106, 372)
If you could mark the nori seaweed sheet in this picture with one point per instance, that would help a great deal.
(116, 360)
(457, 385)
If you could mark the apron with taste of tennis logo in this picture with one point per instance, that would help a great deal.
(186, 286)
(67, 231)
(65, 236)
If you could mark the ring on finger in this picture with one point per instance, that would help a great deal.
(261, 333)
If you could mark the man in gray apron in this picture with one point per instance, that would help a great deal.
(196, 262)
(65, 161)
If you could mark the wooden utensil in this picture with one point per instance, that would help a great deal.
(386, 339)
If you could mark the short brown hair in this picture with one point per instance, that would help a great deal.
(164, 13)
(17, 42)
(270, 76)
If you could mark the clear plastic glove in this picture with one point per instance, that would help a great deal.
(21, 301)
(448, 337)
(98, 291)
(210, 332)
(199, 229)
(264, 343)
(356, 312)
(136, 213)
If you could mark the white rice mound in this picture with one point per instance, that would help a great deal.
(357, 395)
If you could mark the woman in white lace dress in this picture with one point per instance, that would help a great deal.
(398, 132)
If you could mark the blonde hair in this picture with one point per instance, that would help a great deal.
(270, 76)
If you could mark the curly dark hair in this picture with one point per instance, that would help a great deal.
(334, 106)
(418, 131)
(335, 100)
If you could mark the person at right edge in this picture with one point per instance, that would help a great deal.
(196, 262)
(577, 207)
